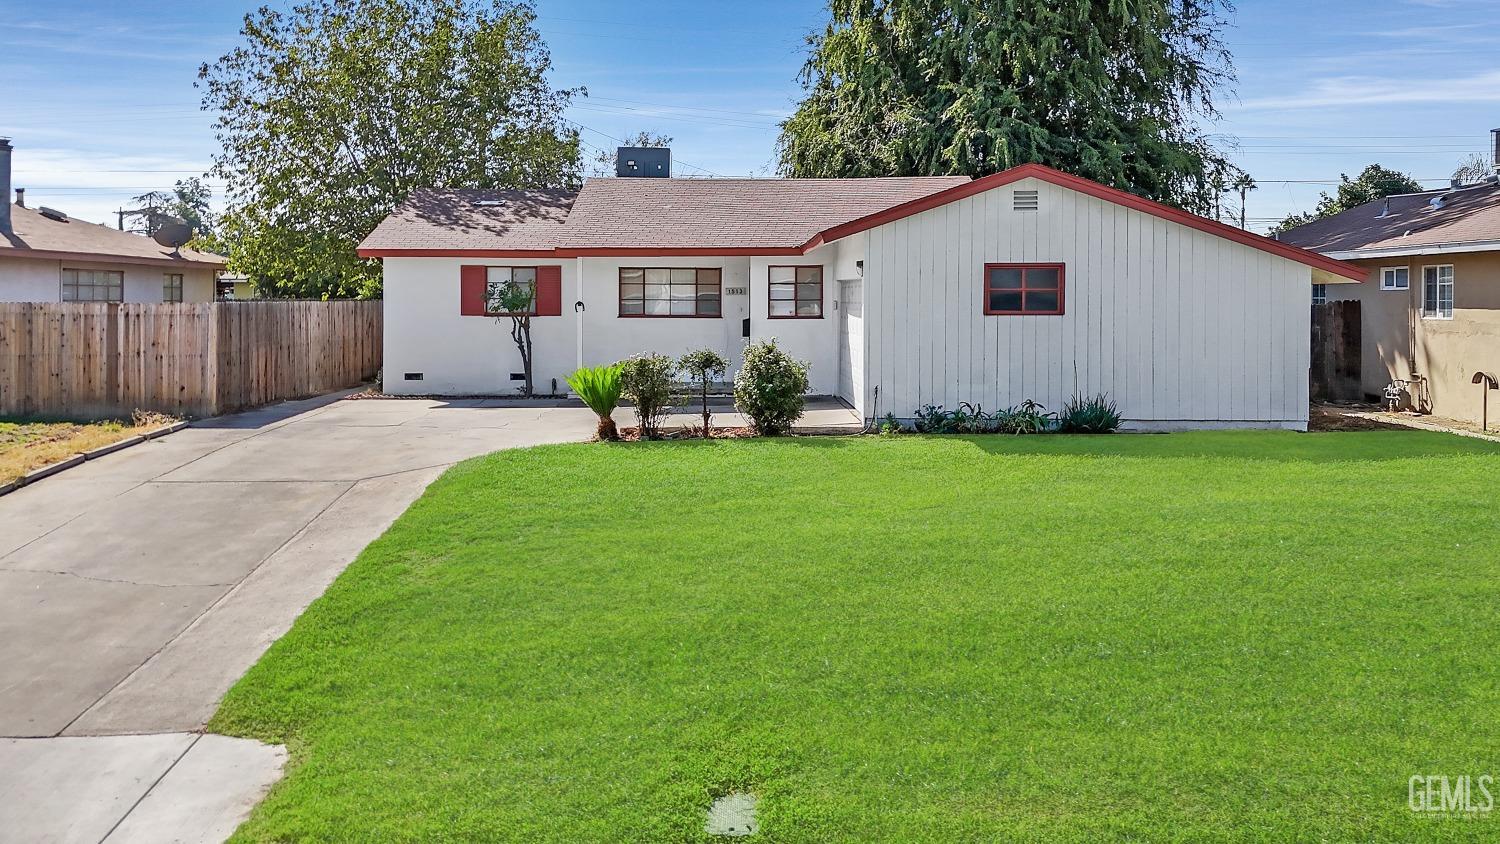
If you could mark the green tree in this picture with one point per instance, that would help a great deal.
(1374, 182)
(513, 301)
(332, 113)
(188, 200)
(702, 367)
(1113, 91)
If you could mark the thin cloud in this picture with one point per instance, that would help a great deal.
(1371, 90)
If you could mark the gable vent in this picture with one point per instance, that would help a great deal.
(1025, 200)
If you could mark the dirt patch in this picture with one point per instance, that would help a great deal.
(633, 434)
(1334, 417)
(25, 446)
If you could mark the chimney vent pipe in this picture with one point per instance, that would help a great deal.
(5, 148)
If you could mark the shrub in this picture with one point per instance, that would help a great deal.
(890, 426)
(770, 388)
(1026, 418)
(646, 380)
(1092, 415)
(599, 387)
(701, 366)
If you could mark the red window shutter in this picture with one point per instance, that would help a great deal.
(549, 291)
(471, 299)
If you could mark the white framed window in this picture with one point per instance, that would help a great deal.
(171, 287)
(1320, 294)
(495, 280)
(93, 285)
(1437, 292)
(1394, 278)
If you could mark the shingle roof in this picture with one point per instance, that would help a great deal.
(474, 219)
(35, 233)
(1466, 215)
(730, 213)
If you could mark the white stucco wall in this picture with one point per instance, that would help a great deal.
(467, 355)
(1180, 327)
(40, 280)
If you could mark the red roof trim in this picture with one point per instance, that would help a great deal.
(589, 252)
(1094, 189)
(457, 253)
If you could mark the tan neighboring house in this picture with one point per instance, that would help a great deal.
(47, 256)
(1430, 310)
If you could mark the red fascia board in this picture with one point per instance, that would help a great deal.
(586, 252)
(666, 251)
(457, 253)
(1094, 189)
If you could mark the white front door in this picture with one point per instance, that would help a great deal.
(851, 342)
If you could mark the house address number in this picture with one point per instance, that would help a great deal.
(734, 291)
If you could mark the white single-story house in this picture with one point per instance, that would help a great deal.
(47, 256)
(898, 292)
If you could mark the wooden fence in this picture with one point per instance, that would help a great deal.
(1336, 344)
(88, 361)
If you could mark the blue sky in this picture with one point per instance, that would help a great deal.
(99, 96)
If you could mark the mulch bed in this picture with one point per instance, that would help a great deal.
(633, 434)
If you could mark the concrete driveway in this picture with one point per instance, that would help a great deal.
(135, 589)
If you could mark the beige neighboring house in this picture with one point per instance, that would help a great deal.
(47, 256)
(1430, 310)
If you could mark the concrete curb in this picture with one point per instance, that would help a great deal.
(78, 459)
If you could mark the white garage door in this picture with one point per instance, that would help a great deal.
(852, 342)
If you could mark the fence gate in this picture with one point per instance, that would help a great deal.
(1335, 370)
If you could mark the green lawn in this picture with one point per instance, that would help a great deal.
(1195, 637)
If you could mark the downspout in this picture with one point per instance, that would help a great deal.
(579, 307)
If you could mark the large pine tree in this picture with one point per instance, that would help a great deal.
(1113, 90)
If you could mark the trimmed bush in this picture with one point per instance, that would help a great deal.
(771, 388)
(599, 387)
(647, 380)
(702, 367)
(1092, 415)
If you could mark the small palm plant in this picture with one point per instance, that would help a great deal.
(599, 387)
(703, 366)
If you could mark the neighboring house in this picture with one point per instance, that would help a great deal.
(899, 292)
(1430, 312)
(47, 256)
(232, 288)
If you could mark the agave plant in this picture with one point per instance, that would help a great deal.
(599, 387)
(1089, 415)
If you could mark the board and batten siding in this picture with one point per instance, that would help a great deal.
(1180, 327)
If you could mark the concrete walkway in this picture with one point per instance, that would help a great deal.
(135, 589)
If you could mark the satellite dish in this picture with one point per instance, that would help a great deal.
(173, 233)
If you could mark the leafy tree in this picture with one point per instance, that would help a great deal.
(332, 113)
(1112, 91)
(188, 200)
(702, 366)
(604, 161)
(513, 301)
(1374, 182)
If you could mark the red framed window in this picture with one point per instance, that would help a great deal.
(795, 293)
(671, 292)
(496, 279)
(1024, 289)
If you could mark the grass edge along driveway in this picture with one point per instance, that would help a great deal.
(1208, 636)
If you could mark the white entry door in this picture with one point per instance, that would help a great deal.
(852, 342)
